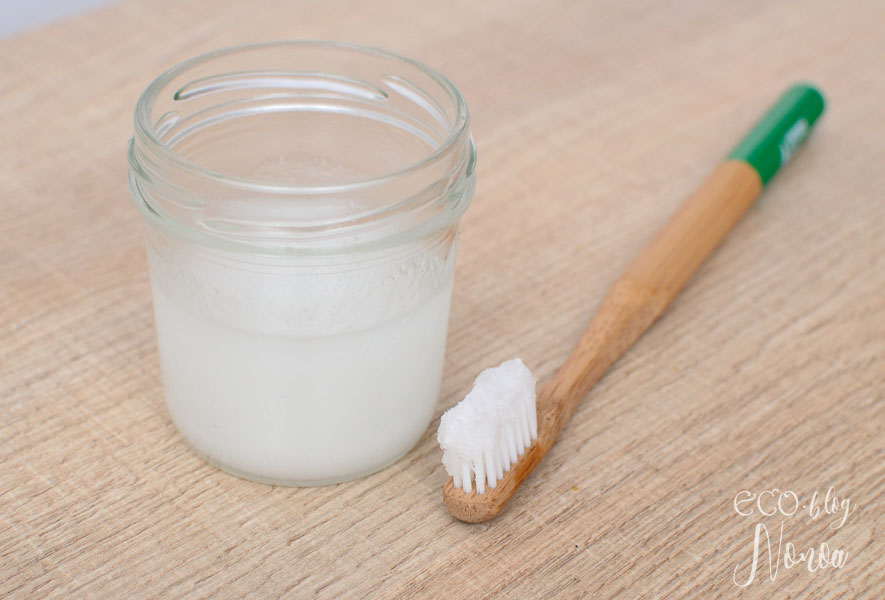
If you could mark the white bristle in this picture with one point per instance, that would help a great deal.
(491, 467)
(465, 476)
(484, 434)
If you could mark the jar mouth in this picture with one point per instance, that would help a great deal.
(147, 130)
(301, 146)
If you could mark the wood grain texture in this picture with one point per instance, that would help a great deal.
(592, 120)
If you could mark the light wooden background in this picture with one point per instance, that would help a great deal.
(593, 120)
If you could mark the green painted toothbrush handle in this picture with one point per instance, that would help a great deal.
(776, 136)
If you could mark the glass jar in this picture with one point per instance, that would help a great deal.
(302, 203)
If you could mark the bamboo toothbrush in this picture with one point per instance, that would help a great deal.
(631, 305)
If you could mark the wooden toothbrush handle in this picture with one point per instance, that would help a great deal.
(645, 289)
(652, 280)
(632, 304)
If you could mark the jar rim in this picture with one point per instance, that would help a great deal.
(145, 129)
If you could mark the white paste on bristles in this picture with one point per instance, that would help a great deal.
(482, 436)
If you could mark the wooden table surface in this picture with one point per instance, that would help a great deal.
(593, 121)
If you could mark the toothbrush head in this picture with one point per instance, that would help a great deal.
(485, 435)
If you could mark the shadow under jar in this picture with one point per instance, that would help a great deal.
(302, 202)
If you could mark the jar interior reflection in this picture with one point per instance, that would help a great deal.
(326, 136)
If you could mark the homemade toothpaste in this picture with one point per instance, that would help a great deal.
(306, 377)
